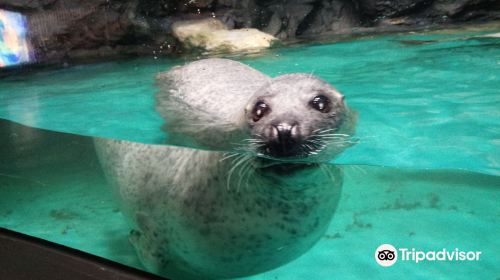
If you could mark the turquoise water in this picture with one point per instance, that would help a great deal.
(422, 106)
(425, 174)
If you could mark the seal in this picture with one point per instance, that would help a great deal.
(255, 194)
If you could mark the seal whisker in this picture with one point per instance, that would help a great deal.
(249, 148)
(311, 80)
(250, 173)
(239, 160)
(207, 124)
(340, 141)
(358, 168)
(335, 140)
(247, 169)
(323, 169)
(242, 167)
(333, 137)
(337, 134)
(227, 156)
(328, 172)
(315, 142)
(310, 147)
(241, 149)
(255, 141)
(243, 170)
(323, 131)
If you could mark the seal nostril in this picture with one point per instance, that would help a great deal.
(284, 133)
(274, 133)
(295, 131)
(284, 140)
(287, 132)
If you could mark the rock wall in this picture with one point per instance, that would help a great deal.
(62, 30)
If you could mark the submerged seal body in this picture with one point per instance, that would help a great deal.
(257, 195)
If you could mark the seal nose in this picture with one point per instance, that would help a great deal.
(284, 132)
(284, 139)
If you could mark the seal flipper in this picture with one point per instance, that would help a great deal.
(152, 247)
(146, 243)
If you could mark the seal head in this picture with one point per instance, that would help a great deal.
(295, 117)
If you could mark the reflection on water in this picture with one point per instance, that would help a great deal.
(51, 186)
(14, 48)
(209, 215)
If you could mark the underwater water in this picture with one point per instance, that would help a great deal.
(425, 173)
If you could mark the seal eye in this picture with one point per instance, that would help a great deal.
(259, 110)
(321, 103)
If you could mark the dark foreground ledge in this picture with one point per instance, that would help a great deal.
(23, 257)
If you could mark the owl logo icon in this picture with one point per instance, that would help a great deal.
(386, 255)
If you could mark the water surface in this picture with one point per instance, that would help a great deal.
(425, 173)
(428, 104)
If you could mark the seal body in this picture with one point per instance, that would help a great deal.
(190, 224)
(256, 196)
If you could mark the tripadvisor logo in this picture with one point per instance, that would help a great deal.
(387, 255)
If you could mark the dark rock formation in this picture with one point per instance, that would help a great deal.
(73, 29)
(373, 10)
(335, 16)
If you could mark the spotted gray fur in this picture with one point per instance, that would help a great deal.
(216, 213)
